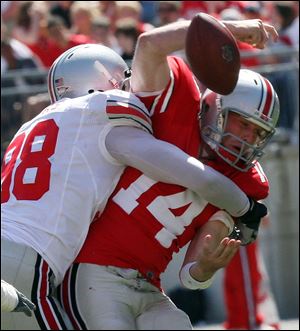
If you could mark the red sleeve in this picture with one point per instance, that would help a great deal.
(253, 182)
(154, 101)
(174, 112)
(181, 91)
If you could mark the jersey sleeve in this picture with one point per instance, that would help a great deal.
(180, 88)
(157, 101)
(125, 109)
(254, 182)
(181, 91)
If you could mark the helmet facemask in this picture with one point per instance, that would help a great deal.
(243, 156)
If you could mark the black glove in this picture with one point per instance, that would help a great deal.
(254, 215)
(24, 305)
(246, 226)
(243, 233)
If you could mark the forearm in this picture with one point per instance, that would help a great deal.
(170, 38)
(164, 162)
(209, 251)
(167, 39)
(150, 70)
(254, 32)
(204, 268)
(237, 28)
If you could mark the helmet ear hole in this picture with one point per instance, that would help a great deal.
(127, 73)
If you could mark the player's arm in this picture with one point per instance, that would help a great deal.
(167, 163)
(254, 32)
(13, 300)
(128, 140)
(210, 250)
(150, 70)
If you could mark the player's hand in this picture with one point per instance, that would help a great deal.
(254, 32)
(24, 305)
(254, 214)
(213, 258)
(246, 226)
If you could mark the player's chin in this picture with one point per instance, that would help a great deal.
(238, 150)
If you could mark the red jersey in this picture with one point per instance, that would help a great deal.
(174, 112)
(145, 221)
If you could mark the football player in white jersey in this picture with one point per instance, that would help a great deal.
(58, 173)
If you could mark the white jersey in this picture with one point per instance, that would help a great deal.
(57, 174)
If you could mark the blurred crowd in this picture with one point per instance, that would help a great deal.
(35, 33)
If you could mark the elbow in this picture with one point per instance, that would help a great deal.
(143, 42)
(147, 42)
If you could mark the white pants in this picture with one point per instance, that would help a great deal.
(111, 298)
(22, 267)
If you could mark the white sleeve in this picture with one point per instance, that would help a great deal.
(167, 163)
(125, 109)
(9, 298)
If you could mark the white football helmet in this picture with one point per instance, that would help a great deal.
(255, 100)
(87, 68)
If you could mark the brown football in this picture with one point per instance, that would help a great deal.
(213, 54)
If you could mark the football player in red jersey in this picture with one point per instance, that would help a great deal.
(115, 282)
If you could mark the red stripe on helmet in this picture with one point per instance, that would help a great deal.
(269, 98)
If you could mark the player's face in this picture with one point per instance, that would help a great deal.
(245, 130)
